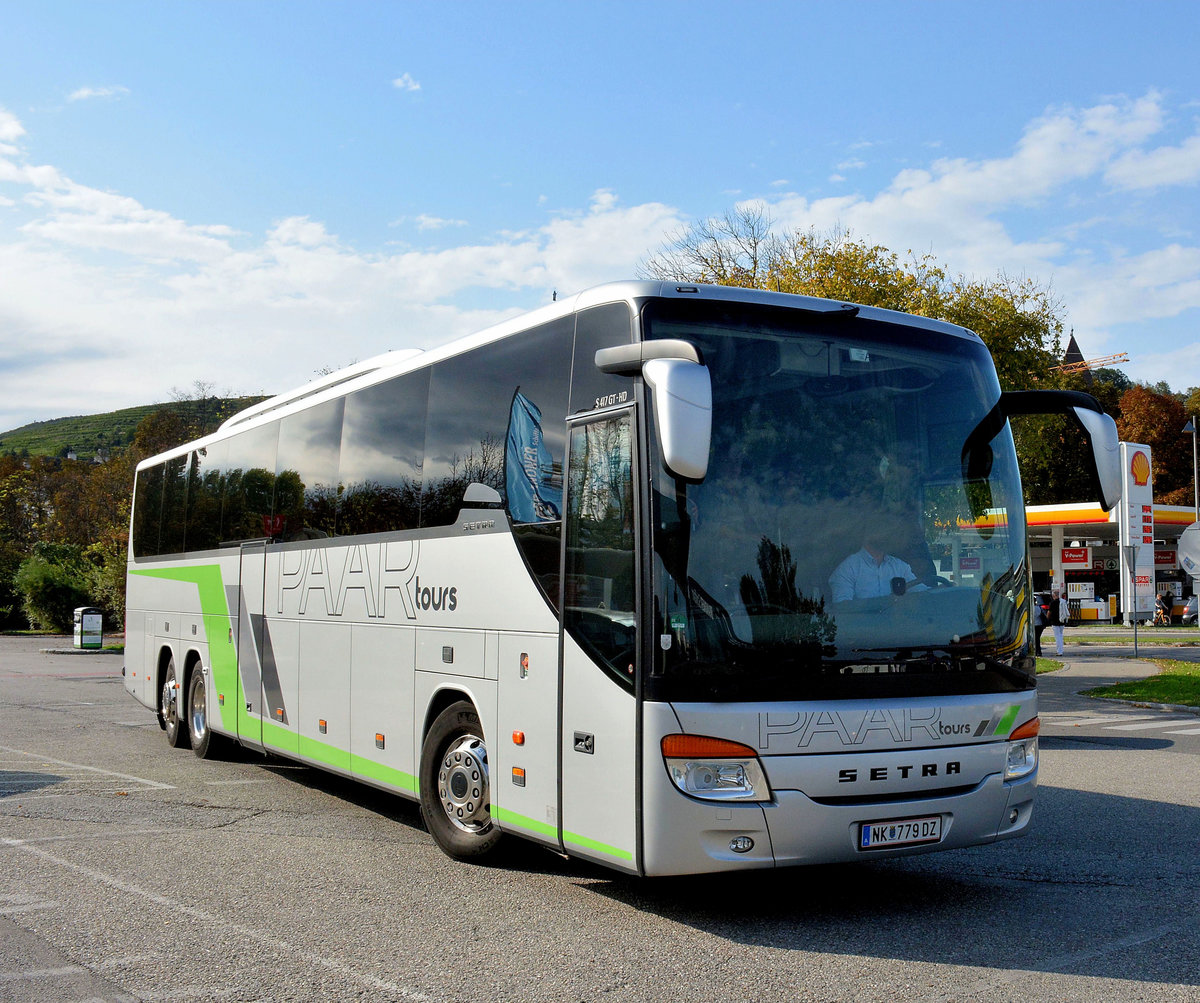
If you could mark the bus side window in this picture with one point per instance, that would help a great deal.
(383, 444)
(174, 505)
(307, 471)
(249, 495)
(599, 327)
(601, 607)
(147, 508)
(205, 479)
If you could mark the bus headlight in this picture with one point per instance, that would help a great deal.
(715, 769)
(1022, 757)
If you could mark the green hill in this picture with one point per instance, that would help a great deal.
(87, 435)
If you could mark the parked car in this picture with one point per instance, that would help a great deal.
(1189, 612)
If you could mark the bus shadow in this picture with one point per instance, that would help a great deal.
(14, 783)
(1124, 743)
(511, 854)
(1049, 902)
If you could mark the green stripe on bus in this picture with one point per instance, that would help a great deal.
(214, 610)
(1006, 722)
(506, 817)
(573, 838)
(223, 659)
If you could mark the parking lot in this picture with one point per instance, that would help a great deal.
(132, 871)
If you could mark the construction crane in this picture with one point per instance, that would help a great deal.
(1085, 365)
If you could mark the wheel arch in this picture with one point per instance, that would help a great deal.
(191, 660)
(442, 698)
(165, 654)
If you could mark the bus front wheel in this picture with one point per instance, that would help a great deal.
(455, 785)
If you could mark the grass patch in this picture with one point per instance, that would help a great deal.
(1176, 683)
(1048, 665)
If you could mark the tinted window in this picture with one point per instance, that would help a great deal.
(601, 609)
(250, 485)
(174, 506)
(383, 438)
(600, 327)
(475, 400)
(307, 473)
(147, 511)
(205, 484)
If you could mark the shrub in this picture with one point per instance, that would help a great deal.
(52, 583)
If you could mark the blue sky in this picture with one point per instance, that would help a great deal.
(246, 193)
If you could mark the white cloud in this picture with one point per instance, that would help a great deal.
(106, 302)
(1168, 165)
(10, 131)
(405, 82)
(427, 222)
(86, 93)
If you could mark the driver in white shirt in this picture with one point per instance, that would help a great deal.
(869, 573)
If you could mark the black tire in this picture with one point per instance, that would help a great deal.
(455, 785)
(169, 705)
(205, 744)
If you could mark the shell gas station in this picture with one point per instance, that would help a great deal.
(1097, 556)
(1078, 547)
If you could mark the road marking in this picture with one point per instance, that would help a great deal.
(1066, 964)
(47, 760)
(1146, 726)
(1082, 722)
(11, 905)
(1184, 731)
(209, 919)
(231, 783)
(44, 973)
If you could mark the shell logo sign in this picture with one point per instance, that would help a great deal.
(1140, 468)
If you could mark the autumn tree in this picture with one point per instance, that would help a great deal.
(1155, 418)
(1019, 319)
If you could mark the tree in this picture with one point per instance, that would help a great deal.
(1020, 320)
(1155, 418)
(1111, 377)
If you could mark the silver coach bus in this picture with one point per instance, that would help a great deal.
(674, 578)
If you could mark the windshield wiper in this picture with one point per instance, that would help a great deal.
(952, 653)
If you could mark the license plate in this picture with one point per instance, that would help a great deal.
(899, 832)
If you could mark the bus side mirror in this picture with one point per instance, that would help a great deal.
(1106, 453)
(1100, 428)
(681, 394)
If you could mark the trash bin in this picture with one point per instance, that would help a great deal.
(89, 627)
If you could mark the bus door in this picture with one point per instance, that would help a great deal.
(598, 754)
(250, 635)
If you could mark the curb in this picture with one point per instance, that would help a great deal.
(78, 651)
(1174, 707)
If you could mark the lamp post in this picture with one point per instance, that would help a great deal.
(1191, 427)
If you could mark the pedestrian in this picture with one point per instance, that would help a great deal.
(1059, 613)
(1039, 624)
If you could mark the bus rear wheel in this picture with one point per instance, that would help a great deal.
(168, 707)
(455, 784)
(204, 743)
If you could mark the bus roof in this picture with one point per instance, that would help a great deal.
(394, 363)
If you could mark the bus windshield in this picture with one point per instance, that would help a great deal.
(851, 538)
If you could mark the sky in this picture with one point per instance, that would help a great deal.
(242, 195)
